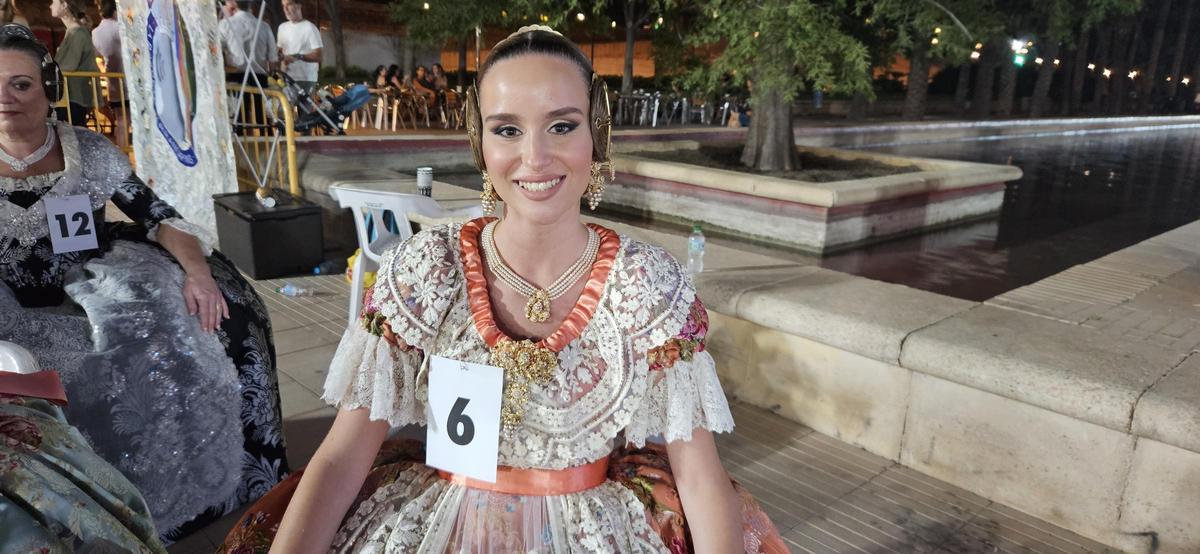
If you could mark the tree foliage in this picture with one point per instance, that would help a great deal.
(783, 46)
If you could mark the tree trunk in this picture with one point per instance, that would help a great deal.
(1124, 57)
(1079, 72)
(1150, 79)
(981, 105)
(962, 88)
(462, 60)
(859, 103)
(1065, 80)
(1008, 88)
(1180, 48)
(631, 23)
(339, 40)
(918, 80)
(770, 142)
(1040, 103)
(1103, 58)
(408, 59)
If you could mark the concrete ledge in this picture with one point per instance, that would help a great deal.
(1064, 368)
(1161, 501)
(868, 318)
(1169, 412)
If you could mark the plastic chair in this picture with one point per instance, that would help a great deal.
(370, 203)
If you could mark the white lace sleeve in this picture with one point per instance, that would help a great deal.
(369, 372)
(686, 396)
(378, 364)
(178, 223)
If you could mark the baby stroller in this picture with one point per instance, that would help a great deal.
(328, 111)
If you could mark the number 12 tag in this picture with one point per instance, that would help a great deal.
(71, 224)
(463, 434)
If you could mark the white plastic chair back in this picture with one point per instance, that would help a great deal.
(373, 204)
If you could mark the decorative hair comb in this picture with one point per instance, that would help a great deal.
(529, 28)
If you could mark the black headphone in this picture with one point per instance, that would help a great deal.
(52, 79)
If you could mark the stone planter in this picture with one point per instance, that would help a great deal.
(813, 217)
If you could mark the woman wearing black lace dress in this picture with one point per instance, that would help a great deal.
(165, 351)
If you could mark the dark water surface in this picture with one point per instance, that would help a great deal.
(1081, 197)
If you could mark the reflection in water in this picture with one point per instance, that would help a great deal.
(1080, 198)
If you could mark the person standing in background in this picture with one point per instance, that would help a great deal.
(75, 54)
(299, 46)
(106, 39)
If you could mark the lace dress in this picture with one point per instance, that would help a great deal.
(192, 418)
(632, 366)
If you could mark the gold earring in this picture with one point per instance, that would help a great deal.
(488, 197)
(595, 188)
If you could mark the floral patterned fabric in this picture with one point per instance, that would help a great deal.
(604, 398)
(192, 419)
(56, 495)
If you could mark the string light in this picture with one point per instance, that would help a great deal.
(937, 30)
(1107, 73)
(579, 16)
(1185, 80)
(1133, 74)
(1038, 61)
(1091, 67)
(1015, 45)
(934, 41)
(1057, 61)
(978, 45)
(614, 24)
(425, 6)
(975, 55)
(660, 20)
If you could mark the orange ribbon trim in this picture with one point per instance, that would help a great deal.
(538, 482)
(570, 329)
(43, 384)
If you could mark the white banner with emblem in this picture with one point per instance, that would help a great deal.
(174, 75)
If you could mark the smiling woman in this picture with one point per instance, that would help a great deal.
(602, 440)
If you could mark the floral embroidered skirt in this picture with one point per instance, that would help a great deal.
(192, 419)
(56, 494)
(394, 512)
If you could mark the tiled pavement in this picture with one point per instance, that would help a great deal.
(824, 495)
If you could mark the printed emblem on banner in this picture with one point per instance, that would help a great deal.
(463, 433)
(71, 222)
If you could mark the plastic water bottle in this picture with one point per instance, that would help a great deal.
(695, 262)
(327, 267)
(292, 290)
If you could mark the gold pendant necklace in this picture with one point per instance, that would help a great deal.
(537, 305)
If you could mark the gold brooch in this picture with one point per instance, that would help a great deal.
(524, 363)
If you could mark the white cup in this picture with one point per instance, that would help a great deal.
(425, 180)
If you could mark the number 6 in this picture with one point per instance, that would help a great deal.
(457, 417)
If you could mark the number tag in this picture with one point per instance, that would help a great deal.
(70, 221)
(463, 434)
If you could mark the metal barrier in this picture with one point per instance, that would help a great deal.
(260, 159)
(108, 110)
(265, 119)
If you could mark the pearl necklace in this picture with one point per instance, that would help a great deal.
(22, 164)
(537, 308)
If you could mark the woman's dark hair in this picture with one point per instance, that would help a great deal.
(392, 71)
(380, 70)
(439, 67)
(78, 11)
(108, 8)
(14, 41)
(538, 42)
(421, 68)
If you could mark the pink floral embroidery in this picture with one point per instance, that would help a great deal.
(686, 344)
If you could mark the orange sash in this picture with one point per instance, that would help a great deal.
(538, 482)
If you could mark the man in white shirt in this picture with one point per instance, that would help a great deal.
(299, 46)
(241, 34)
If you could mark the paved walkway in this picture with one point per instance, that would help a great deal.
(824, 495)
